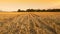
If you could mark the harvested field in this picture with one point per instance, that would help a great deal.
(29, 22)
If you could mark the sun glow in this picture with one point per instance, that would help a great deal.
(11, 5)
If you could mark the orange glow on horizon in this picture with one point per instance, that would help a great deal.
(11, 5)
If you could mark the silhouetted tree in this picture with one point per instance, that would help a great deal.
(43, 10)
(28, 10)
(53, 10)
(37, 10)
(22, 10)
(19, 10)
(32, 10)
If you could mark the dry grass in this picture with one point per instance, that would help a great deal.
(29, 22)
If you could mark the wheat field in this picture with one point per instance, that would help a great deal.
(29, 22)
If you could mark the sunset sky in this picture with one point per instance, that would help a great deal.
(13, 5)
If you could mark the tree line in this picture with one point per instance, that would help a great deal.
(38, 10)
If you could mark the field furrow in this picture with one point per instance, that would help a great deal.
(30, 23)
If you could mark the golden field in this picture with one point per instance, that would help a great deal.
(29, 22)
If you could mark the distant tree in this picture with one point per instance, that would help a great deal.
(43, 10)
(19, 10)
(22, 10)
(28, 10)
(53, 10)
(57, 10)
(32, 10)
(38, 10)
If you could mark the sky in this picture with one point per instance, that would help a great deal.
(13, 5)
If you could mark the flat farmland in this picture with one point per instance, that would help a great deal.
(29, 22)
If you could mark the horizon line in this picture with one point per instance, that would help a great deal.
(30, 8)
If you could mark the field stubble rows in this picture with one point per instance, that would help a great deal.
(30, 23)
